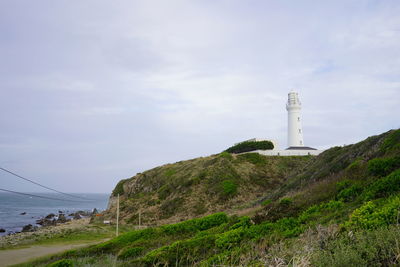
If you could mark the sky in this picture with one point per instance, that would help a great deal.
(96, 91)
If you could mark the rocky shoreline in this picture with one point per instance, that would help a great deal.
(52, 220)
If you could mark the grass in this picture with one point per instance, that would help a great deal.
(84, 234)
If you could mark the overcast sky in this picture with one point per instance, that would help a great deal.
(96, 91)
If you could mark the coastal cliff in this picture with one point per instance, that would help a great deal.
(187, 189)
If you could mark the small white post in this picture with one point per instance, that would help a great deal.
(117, 215)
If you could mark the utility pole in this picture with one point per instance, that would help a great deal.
(117, 215)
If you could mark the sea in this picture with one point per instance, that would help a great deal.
(16, 211)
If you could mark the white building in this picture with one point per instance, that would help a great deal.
(295, 132)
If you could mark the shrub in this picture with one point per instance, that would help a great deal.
(392, 141)
(331, 205)
(123, 240)
(350, 193)
(259, 231)
(195, 225)
(288, 227)
(62, 263)
(130, 252)
(169, 172)
(384, 186)
(355, 169)
(180, 252)
(343, 185)
(244, 221)
(169, 207)
(210, 221)
(226, 155)
(383, 166)
(316, 210)
(229, 188)
(370, 216)
(231, 238)
(250, 146)
(285, 201)
(266, 202)
(254, 158)
(361, 248)
(308, 213)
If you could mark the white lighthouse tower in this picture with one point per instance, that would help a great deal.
(296, 145)
(295, 131)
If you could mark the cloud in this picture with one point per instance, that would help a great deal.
(115, 89)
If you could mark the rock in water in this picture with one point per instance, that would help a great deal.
(62, 218)
(50, 216)
(29, 228)
(46, 221)
(23, 213)
(2, 230)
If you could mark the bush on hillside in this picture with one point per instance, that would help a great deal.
(349, 193)
(356, 169)
(254, 158)
(384, 187)
(180, 253)
(229, 188)
(195, 225)
(361, 248)
(285, 201)
(371, 216)
(62, 263)
(392, 142)
(123, 240)
(250, 146)
(130, 252)
(383, 166)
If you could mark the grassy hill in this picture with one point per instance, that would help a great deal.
(340, 208)
(188, 189)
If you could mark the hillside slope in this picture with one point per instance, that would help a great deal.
(187, 189)
(341, 208)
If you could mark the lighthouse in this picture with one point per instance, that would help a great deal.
(295, 131)
(296, 145)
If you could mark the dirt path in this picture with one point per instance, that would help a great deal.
(15, 256)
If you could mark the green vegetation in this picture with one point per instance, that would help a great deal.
(62, 263)
(119, 189)
(248, 146)
(229, 187)
(204, 185)
(254, 158)
(383, 166)
(341, 209)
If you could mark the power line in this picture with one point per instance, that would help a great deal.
(32, 195)
(33, 182)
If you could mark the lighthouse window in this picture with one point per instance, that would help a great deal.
(299, 130)
(298, 118)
